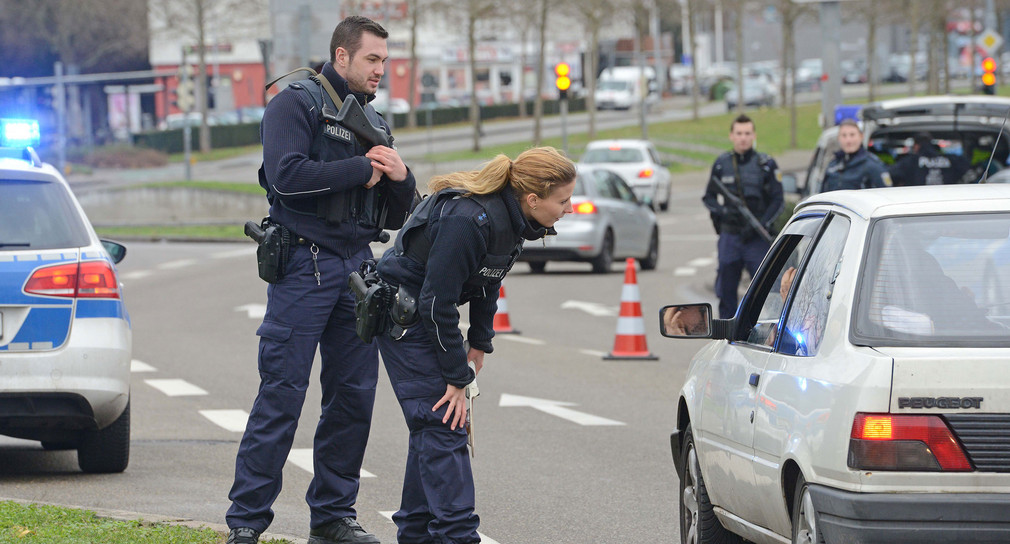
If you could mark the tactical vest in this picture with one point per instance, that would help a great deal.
(749, 186)
(332, 142)
(504, 246)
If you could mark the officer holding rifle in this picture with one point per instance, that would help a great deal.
(331, 193)
(750, 185)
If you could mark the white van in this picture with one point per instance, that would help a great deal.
(621, 87)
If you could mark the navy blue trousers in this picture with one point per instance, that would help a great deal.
(735, 254)
(300, 316)
(437, 504)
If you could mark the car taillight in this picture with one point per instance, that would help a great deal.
(92, 279)
(904, 442)
(645, 173)
(585, 207)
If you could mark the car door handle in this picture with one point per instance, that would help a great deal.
(754, 378)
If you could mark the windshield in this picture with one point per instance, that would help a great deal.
(936, 280)
(38, 215)
(613, 85)
(606, 154)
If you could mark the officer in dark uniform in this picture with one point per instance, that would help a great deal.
(318, 178)
(853, 166)
(926, 165)
(456, 248)
(756, 179)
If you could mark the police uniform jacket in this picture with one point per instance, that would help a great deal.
(929, 167)
(460, 268)
(755, 178)
(859, 170)
(298, 173)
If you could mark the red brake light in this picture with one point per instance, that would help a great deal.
(904, 442)
(645, 173)
(614, 148)
(585, 207)
(92, 279)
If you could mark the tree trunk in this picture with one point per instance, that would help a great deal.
(871, 50)
(201, 77)
(589, 74)
(913, 42)
(538, 105)
(412, 89)
(738, 32)
(472, 51)
(692, 29)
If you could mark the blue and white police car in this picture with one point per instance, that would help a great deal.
(65, 335)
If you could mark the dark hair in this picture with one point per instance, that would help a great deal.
(740, 120)
(850, 123)
(923, 139)
(348, 34)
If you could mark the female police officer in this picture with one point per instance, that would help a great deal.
(455, 249)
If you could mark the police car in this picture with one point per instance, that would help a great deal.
(65, 335)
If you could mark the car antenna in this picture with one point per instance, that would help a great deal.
(985, 175)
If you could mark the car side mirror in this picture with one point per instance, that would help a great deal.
(116, 250)
(686, 321)
(789, 183)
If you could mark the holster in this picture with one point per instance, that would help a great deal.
(273, 250)
(373, 299)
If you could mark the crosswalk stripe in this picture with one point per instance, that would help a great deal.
(176, 388)
(231, 420)
(302, 458)
(141, 366)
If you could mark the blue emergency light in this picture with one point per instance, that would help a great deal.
(19, 132)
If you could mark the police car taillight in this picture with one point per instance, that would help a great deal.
(904, 442)
(92, 279)
(585, 207)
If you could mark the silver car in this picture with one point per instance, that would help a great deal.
(639, 163)
(609, 222)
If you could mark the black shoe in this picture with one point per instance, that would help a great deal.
(243, 535)
(343, 531)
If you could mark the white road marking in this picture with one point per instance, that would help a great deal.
(593, 353)
(484, 539)
(591, 308)
(555, 408)
(302, 458)
(684, 271)
(235, 253)
(141, 366)
(172, 265)
(135, 275)
(520, 339)
(254, 311)
(230, 420)
(176, 388)
(701, 261)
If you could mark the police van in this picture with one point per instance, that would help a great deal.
(65, 334)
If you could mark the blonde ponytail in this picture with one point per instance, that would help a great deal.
(537, 171)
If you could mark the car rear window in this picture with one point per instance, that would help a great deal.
(38, 215)
(936, 280)
(606, 154)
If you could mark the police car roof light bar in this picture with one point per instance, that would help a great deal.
(19, 132)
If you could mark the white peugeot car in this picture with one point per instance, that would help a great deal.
(862, 391)
(65, 336)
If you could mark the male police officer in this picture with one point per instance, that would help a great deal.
(926, 165)
(755, 179)
(319, 179)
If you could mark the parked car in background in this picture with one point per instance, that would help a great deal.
(623, 87)
(757, 92)
(609, 223)
(65, 335)
(968, 126)
(860, 392)
(639, 163)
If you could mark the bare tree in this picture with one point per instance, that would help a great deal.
(475, 11)
(692, 9)
(538, 103)
(593, 14)
(524, 17)
(191, 19)
(912, 7)
(414, 10)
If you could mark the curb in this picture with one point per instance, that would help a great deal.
(125, 515)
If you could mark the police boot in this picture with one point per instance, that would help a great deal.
(343, 531)
(243, 535)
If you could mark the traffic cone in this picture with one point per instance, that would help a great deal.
(501, 324)
(630, 340)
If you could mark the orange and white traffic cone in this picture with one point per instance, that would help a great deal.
(630, 340)
(501, 324)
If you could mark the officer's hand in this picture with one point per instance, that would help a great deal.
(456, 410)
(376, 177)
(388, 161)
(477, 356)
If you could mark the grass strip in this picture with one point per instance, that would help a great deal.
(210, 232)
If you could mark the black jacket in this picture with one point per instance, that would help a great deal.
(459, 231)
(929, 166)
(296, 179)
(755, 177)
(859, 170)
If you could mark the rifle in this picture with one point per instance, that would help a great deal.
(741, 207)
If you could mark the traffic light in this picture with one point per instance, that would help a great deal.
(182, 95)
(989, 75)
(562, 81)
